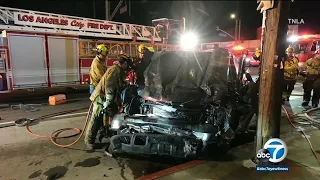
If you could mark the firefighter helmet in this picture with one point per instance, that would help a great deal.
(289, 49)
(258, 52)
(142, 46)
(102, 49)
(125, 58)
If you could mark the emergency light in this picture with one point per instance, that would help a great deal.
(188, 41)
(293, 38)
(237, 48)
(296, 38)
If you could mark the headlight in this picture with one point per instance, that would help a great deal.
(116, 121)
(247, 60)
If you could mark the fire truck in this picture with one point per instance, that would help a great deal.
(304, 46)
(44, 50)
(236, 49)
(247, 44)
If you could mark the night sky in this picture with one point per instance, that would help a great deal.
(201, 16)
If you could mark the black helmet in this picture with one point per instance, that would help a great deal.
(122, 58)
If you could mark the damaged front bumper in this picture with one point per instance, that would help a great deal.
(155, 144)
(180, 134)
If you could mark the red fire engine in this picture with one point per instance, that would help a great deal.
(236, 49)
(41, 50)
(304, 46)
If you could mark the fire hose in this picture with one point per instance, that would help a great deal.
(54, 134)
(302, 132)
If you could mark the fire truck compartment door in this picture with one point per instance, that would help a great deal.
(63, 57)
(28, 62)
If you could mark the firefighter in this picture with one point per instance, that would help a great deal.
(314, 46)
(98, 67)
(290, 74)
(312, 80)
(130, 75)
(145, 51)
(242, 65)
(106, 97)
(242, 61)
(257, 54)
(145, 55)
(130, 79)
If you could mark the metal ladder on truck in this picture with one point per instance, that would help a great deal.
(86, 54)
(20, 21)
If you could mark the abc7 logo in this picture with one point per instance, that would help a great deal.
(263, 155)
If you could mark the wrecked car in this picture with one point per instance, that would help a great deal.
(191, 100)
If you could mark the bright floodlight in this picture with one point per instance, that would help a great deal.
(188, 41)
(232, 16)
(293, 38)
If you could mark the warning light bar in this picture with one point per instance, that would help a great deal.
(296, 38)
(306, 36)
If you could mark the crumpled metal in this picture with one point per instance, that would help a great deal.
(184, 76)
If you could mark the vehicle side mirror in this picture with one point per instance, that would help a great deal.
(313, 48)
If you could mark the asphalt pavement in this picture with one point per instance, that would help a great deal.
(23, 156)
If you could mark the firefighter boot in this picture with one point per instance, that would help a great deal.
(93, 127)
(315, 103)
(287, 96)
(316, 93)
(90, 147)
(305, 103)
(307, 88)
(284, 97)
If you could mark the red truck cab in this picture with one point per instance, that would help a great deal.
(304, 46)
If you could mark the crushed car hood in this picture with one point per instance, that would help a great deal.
(187, 76)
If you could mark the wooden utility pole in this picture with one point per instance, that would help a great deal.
(274, 35)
